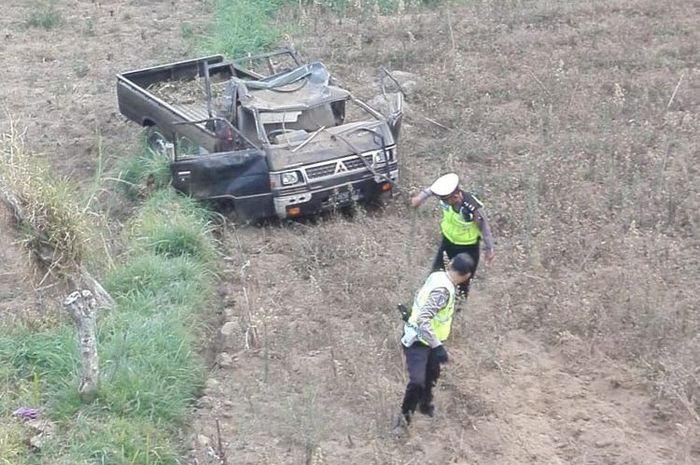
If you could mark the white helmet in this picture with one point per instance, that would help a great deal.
(445, 185)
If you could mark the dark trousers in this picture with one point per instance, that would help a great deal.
(451, 250)
(423, 373)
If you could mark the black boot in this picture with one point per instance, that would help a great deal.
(425, 406)
(414, 392)
(401, 426)
(427, 409)
(408, 406)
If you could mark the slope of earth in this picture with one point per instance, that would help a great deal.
(17, 296)
(58, 89)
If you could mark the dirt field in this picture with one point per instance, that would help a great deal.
(578, 125)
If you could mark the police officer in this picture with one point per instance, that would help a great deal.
(464, 223)
(425, 331)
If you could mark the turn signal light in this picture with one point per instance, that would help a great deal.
(293, 211)
(386, 187)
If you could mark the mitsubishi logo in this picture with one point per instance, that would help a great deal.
(340, 167)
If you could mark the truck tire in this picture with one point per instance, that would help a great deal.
(227, 209)
(156, 141)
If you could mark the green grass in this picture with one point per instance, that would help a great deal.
(112, 439)
(186, 31)
(142, 171)
(172, 226)
(12, 443)
(241, 26)
(249, 26)
(150, 370)
(45, 16)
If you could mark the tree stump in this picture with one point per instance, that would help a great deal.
(82, 306)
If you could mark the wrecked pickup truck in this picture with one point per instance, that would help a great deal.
(267, 132)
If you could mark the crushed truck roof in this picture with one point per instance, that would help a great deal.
(304, 87)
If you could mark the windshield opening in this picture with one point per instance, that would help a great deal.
(288, 125)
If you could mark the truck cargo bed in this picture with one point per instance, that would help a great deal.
(189, 97)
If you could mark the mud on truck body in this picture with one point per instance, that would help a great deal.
(274, 136)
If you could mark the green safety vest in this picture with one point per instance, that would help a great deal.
(442, 321)
(456, 229)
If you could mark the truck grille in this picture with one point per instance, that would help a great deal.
(320, 171)
(337, 167)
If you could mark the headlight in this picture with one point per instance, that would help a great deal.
(380, 157)
(289, 178)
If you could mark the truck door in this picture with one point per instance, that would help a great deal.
(236, 175)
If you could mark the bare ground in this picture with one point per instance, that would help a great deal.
(314, 370)
(309, 370)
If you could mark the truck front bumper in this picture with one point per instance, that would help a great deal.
(331, 198)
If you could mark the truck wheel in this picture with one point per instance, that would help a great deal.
(156, 141)
(227, 209)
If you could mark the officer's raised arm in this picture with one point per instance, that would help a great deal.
(418, 199)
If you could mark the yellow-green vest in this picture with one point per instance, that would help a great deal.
(456, 230)
(442, 321)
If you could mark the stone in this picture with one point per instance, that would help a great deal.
(224, 360)
(203, 441)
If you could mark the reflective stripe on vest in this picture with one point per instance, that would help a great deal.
(442, 321)
(456, 230)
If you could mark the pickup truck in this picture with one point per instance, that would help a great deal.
(272, 135)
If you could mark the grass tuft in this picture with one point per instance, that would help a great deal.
(45, 16)
(12, 442)
(56, 227)
(144, 172)
(172, 225)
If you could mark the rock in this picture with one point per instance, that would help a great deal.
(203, 402)
(36, 442)
(410, 82)
(228, 329)
(381, 104)
(42, 429)
(211, 385)
(224, 360)
(229, 337)
(203, 441)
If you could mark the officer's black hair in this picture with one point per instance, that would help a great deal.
(462, 263)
